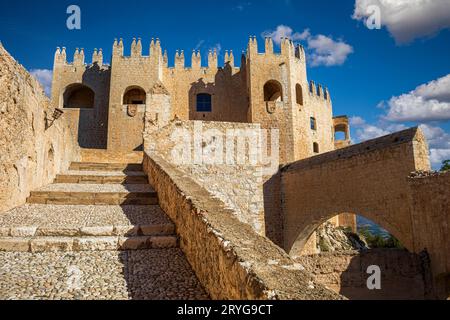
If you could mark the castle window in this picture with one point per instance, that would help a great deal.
(204, 102)
(134, 95)
(316, 147)
(299, 94)
(273, 91)
(78, 96)
(313, 124)
(341, 132)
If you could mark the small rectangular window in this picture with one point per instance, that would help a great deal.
(313, 124)
(204, 103)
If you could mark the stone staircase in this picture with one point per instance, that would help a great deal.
(91, 207)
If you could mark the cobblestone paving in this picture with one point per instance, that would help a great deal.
(139, 275)
(67, 216)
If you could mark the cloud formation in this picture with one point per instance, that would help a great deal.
(407, 20)
(428, 102)
(44, 77)
(321, 50)
(438, 139)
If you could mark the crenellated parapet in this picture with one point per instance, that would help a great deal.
(318, 91)
(229, 58)
(213, 62)
(196, 60)
(179, 60)
(137, 48)
(78, 57)
(97, 57)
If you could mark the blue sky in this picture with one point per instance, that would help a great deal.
(372, 74)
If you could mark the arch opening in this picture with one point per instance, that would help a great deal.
(134, 96)
(78, 96)
(273, 91)
(360, 234)
(341, 132)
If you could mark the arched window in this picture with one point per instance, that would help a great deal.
(341, 132)
(204, 102)
(78, 96)
(273, 91)
(316, 147)
(299, 94)
(134, 95)
(313, 124)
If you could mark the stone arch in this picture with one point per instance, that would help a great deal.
(308, 227)
(134, 95)
(299, 94)
(78, 96)
(273, 91)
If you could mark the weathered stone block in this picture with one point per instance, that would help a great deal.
(95, 244)
(51, 244)
(15, 244)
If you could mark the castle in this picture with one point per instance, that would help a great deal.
(269, 89)
(90, 172)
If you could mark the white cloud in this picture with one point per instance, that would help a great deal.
(328, 52)
(322, 50)
(438, 139)
(365, 131)
(439, 143)
(44, 76)
(428, 102)
(407, 20)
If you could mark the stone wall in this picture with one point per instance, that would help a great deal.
(369, 179)
(238, 185)
(403, 275)
(30, 154)
(229, 258)
(430, 194)
(89, 125)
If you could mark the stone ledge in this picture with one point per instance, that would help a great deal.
(77, 244)
(231, 260)
(389, 141)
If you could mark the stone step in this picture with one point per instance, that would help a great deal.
(88, 198)
(87, 166)
(100, 179)
(76, 244)
(167, 229)
(94, 194)
(77, 220)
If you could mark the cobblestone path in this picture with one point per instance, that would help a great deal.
(96, 233)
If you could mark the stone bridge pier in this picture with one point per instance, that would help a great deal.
(373, 179)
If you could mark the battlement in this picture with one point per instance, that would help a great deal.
(288, 48)
(317, 90)
(78, 57)
(136, 48)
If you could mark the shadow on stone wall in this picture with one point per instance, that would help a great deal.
(404, 275)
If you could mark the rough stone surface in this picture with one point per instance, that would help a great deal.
(31, 154)
(230, 259)
(403, 276)
(108, 275)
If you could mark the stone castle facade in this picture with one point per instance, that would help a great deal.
(107, 103)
